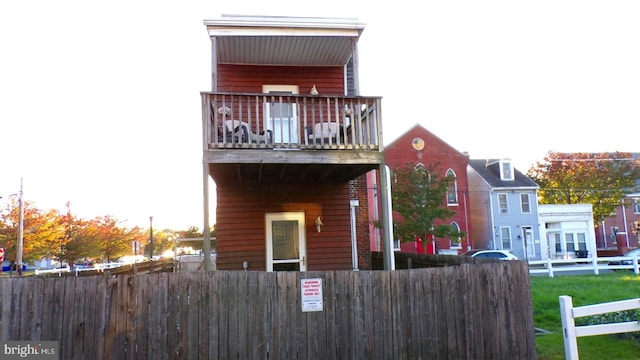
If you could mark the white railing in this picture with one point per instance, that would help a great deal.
(592, 264)
(53, 271)
(571, 332)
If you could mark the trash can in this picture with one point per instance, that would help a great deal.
(582, 253)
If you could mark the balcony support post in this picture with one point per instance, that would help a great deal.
(206, 234)
(387, 224)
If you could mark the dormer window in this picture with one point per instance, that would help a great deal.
(506, 171)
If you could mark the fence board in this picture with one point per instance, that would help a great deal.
(465, 292)
(162, 350)
(194, 312)
(213, 319)
(242, 304)
(329, 312)
(35, 331)
(68, 307)
(413, 309)
(177, 308)
(101, 316)
(142, 316)
(78, 319)
(367, 312)
(17, 302)
(470, 311)
(255, 317)
(345, 336)
(450, 315)
(6, 292)
(203, 284)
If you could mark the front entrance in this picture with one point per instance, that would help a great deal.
(528, 243)
(286, 241)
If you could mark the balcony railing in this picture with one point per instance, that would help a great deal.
(286, 121)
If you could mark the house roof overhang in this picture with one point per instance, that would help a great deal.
(276, 40)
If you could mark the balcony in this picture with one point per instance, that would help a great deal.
(297, 122)
(267, 137)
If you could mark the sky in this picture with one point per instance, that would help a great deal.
(100, 100)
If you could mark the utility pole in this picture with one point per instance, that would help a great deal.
(150, 237)
(20, 231)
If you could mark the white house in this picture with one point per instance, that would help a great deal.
(566, 231)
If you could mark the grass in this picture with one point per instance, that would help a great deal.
(584, 290)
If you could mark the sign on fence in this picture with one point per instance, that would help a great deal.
(311, 290)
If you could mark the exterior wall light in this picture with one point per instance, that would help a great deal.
(319, 223)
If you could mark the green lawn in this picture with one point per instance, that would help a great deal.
(584, 290)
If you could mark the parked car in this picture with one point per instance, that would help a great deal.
(630, 253)
(490, 254)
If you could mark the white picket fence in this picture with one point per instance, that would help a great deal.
(592, 264)
(571, 332)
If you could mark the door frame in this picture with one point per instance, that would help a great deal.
(528, 243)
(268, 123)
(302, 237)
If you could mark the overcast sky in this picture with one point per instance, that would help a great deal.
(100, 100)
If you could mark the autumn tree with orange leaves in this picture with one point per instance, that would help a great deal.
(599, 179)
(63, 236)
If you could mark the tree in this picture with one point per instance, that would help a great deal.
(191, 232)
(113, 241)
(419, 203)
(599, 179)
(40, 231)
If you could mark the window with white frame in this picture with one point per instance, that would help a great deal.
(455, 241)
(582, 241)
(569, 241)
(636, 206)
(502, 202)
(506, 171)
(452, 191)
(612, 236)
(575, 241)
(505, 237)
(525, 205)
(558, 242)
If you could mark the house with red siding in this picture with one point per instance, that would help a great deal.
(288, 140)
(620, 231)
(419, 146)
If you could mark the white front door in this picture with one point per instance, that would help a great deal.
(286, 241)
(281, 118)
(528, 243)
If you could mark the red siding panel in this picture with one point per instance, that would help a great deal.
(240, 224)
(329, 80)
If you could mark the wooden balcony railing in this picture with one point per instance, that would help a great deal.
(304, 122)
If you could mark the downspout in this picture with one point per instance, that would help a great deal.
(604, 234)
(466, 221)
(354, 244)
(374, 205)
(493, 227)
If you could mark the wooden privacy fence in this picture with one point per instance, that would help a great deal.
(481, 311)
